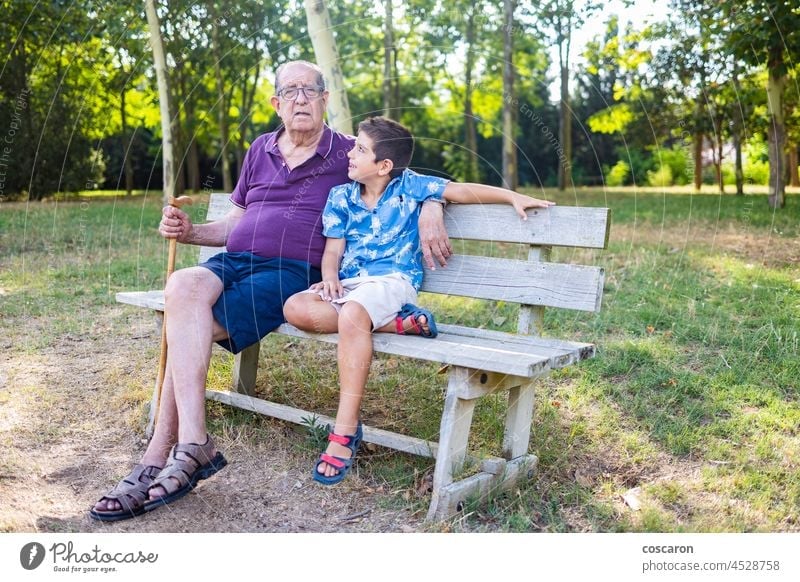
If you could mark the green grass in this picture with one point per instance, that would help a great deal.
(693, 397)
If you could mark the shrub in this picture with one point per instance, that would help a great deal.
(619, 174)
(677, 161)
(756, 161)
(661, 177)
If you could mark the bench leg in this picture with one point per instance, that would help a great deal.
(518, 421)
(245, 368)
(151, 415)
(454, 433)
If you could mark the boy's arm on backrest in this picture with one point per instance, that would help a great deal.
(471, 193)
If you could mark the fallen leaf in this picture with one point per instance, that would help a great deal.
(631, 498)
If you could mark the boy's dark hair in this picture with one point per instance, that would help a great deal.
(391, 141)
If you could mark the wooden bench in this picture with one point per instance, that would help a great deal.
(479, 361)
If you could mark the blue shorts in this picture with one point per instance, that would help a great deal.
(254, 291)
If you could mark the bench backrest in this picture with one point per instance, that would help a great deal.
(534, 283)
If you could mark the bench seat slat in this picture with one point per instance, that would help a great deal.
(489, 351)
(446, 352)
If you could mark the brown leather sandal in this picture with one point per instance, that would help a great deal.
(130, 493)
(187, 464)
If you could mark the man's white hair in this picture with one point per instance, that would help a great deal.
(308, 64)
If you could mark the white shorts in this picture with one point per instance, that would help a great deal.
(382, 296)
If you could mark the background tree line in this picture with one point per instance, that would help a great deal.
(707, 96)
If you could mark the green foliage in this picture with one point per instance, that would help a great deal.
(661, 177)
(316, 431)
(614, 119)
(756, 162)
(677, 160)
(87, 84)
(619, 174)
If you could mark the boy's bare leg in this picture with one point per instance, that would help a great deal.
(354, 357)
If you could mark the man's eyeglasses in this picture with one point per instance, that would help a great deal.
(291, 93)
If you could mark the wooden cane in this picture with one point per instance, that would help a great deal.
(162, 363)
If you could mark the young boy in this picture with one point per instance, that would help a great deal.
(372, 267)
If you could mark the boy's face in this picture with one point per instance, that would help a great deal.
(363, 165)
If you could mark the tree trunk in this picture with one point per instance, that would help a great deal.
(720, 180)
(179, 130)
(720, 144)
(222, 102)
(193, 166)
(510, 174)
(471, 172)
(160, 62)
(698, 140)
(794, 177)
(777, 140)
(191, 157)
(564, 134)
(126, 146)
(698, 161)
(737, 150)
(320, 29)
(736, 134)
(177, 147)
(564, 149)
(388, 69)
(248, 96)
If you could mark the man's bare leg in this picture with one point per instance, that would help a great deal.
(191, 329)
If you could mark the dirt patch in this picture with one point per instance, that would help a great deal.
(734, 240)
(70, 428)
(71, 421)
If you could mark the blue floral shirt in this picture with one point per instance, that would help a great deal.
(383, 240)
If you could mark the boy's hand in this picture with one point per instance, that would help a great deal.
(521, 203)
(330, 288)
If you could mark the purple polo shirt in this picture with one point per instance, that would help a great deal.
(282, 208)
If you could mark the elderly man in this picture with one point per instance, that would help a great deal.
(274, 248)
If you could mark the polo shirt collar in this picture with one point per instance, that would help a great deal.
(324, 147)
(354, 190)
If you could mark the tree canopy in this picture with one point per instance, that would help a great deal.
(707, 95)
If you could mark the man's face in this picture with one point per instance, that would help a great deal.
(301, 112)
